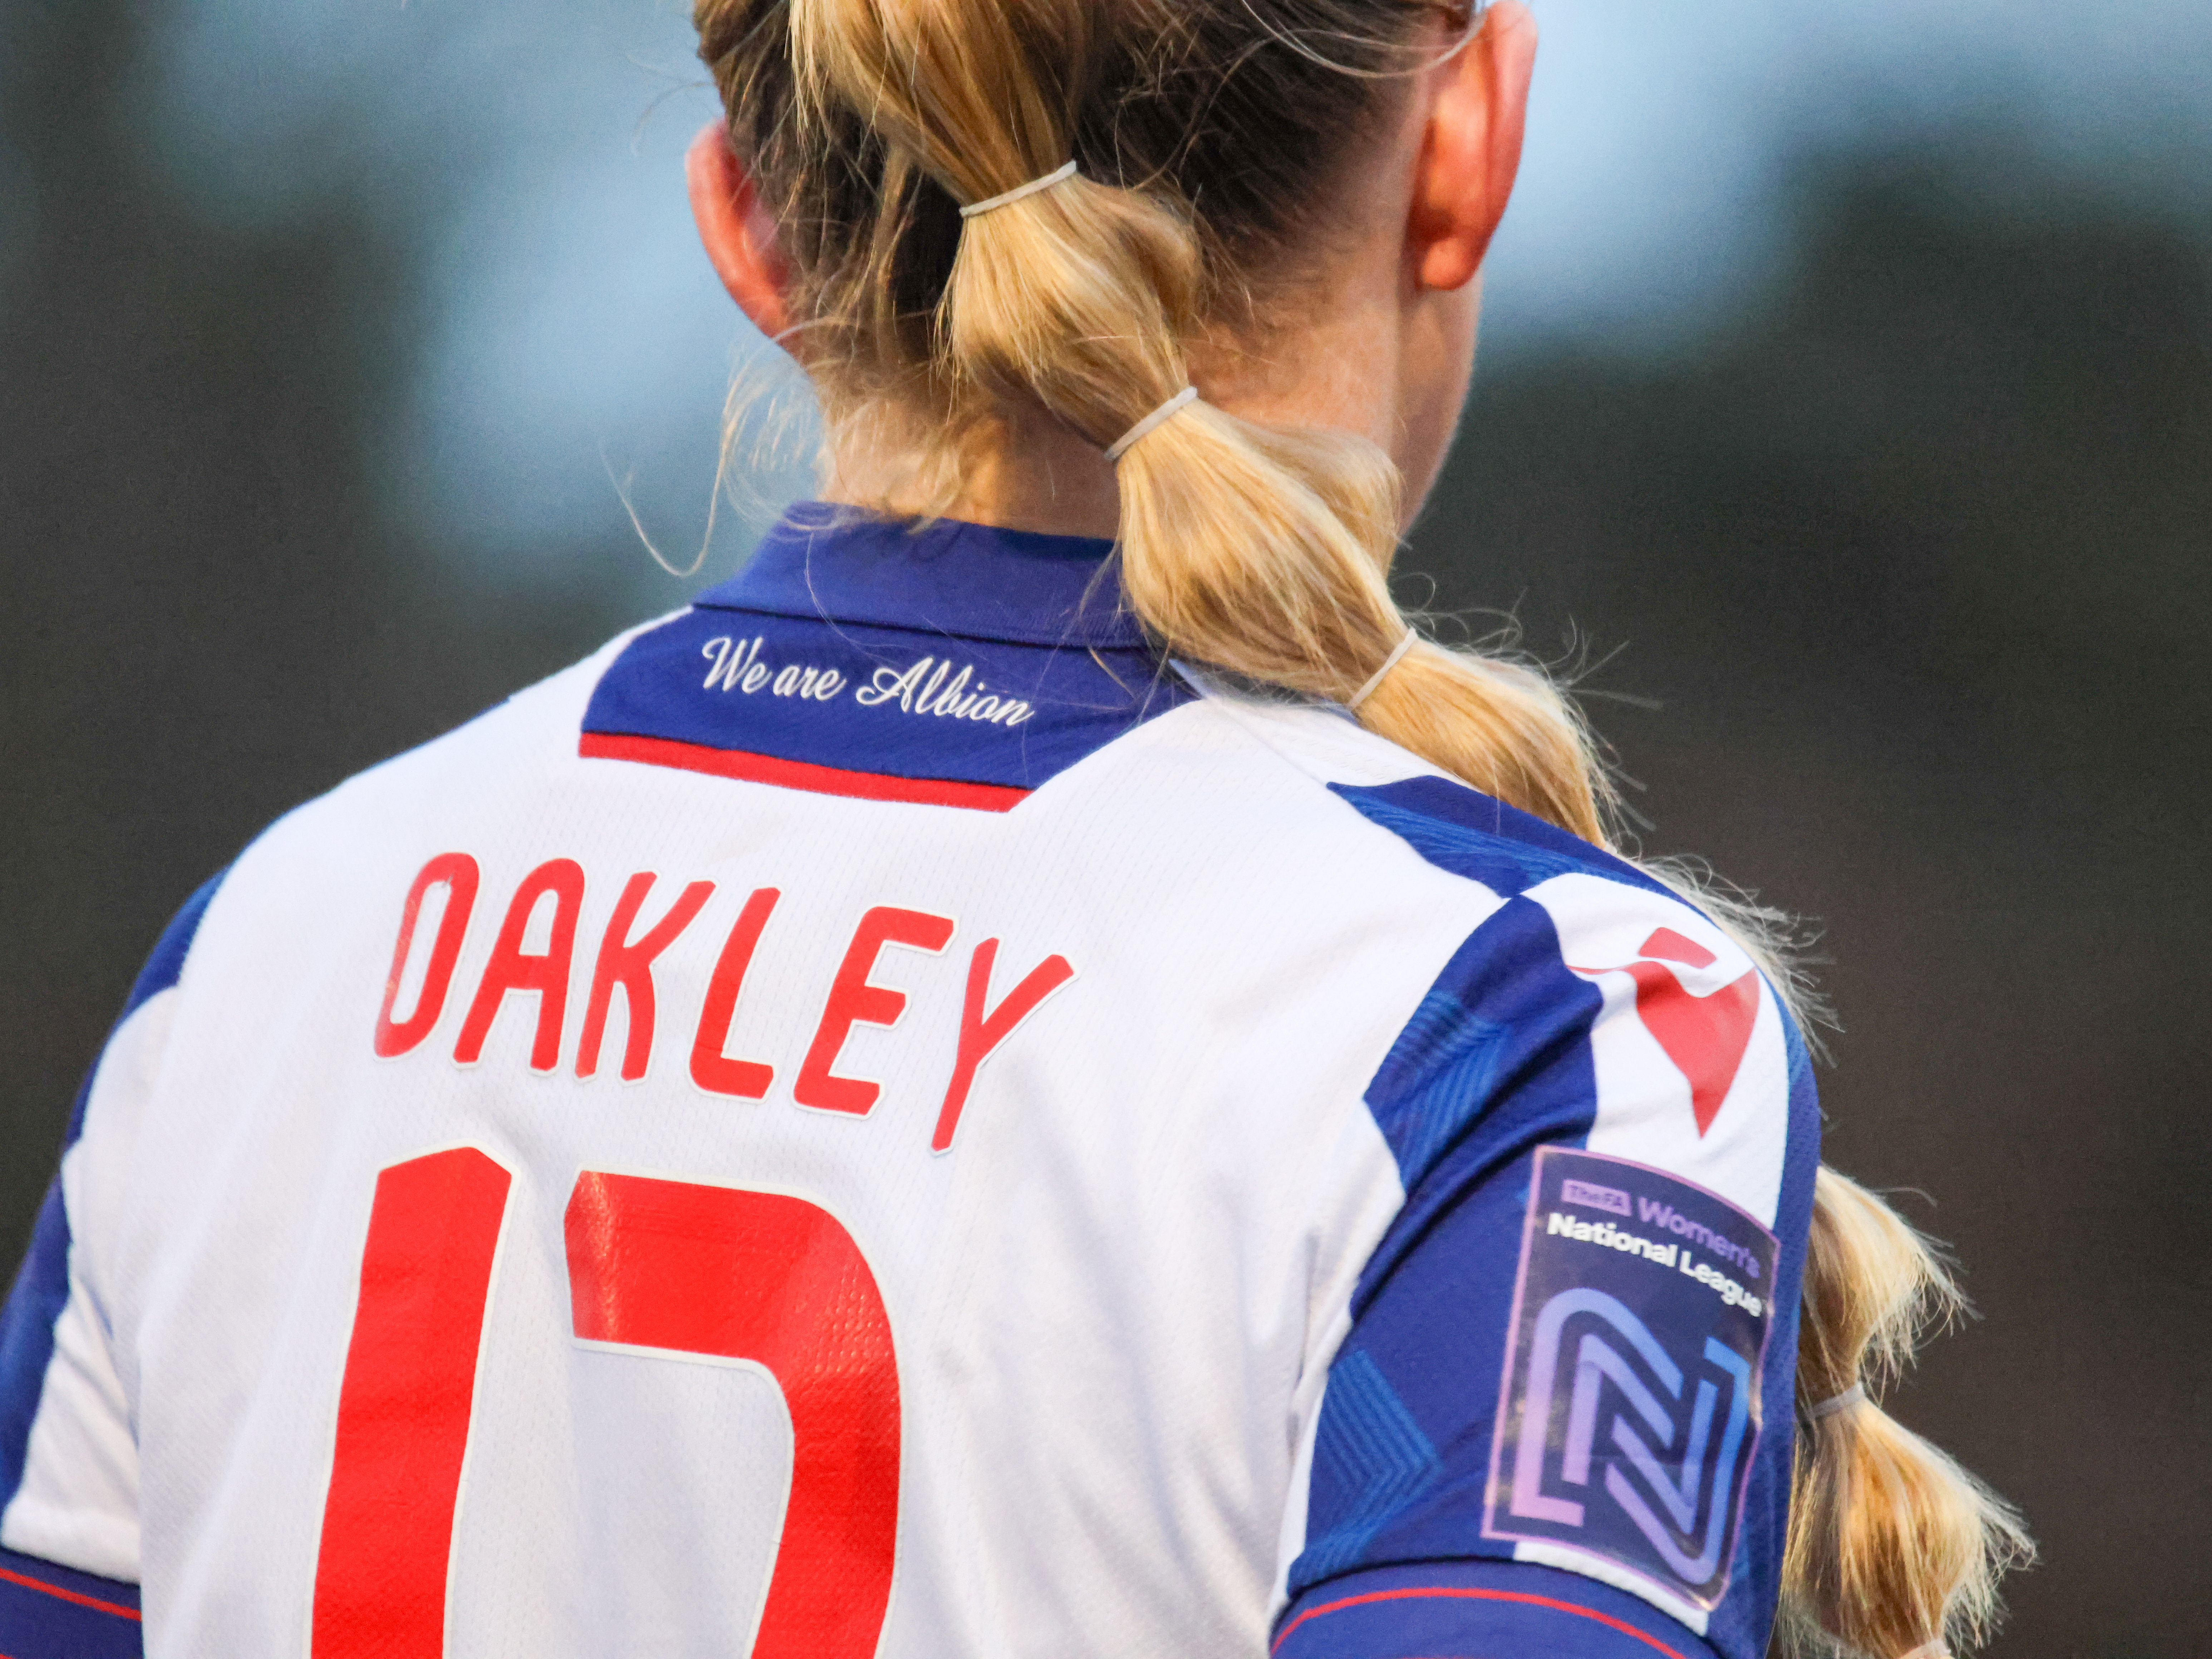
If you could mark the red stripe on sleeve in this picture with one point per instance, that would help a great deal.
(83, 1600)
(1521, 1596)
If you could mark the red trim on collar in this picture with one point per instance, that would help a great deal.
(800, 775)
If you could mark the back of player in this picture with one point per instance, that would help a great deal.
(691, 1116)
(982, 1090)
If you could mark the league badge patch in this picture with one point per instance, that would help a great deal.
(1631, 1407)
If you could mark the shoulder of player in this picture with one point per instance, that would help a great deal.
(1583, 936)
(1450, 826)
(509, 743)
(1562, 924)
(299, 870)
(522, 733)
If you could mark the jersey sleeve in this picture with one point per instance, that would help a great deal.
(68, 1466)
(1560, 1420)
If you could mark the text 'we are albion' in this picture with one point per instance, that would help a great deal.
(625, 958)
(933, 686)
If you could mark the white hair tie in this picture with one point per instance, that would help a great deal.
(1928, 1650)
(1382, 673)
(1174, 406)
(1854, 1395)
(1058, 176)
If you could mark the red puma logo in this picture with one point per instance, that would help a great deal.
(1704, 1037)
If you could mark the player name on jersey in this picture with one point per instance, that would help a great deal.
(425, 956)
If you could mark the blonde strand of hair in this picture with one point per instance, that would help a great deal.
(1891, 1546)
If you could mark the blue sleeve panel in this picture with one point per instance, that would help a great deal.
(48, 1611)
(1494, 1074)
(1477, 1610)
(1496, 1063)
(41, 1288)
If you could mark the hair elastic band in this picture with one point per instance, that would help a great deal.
(1854, 1395)
(1928, 1650)
(1058, 176)
(1382, 673)
(1174, 406)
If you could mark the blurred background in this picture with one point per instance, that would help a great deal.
(1846, 414)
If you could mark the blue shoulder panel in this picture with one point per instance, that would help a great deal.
(1493, 1073)
(41, 1289)
(48, 1611)
(1471, 834)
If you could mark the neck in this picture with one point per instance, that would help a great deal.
(1023, 470)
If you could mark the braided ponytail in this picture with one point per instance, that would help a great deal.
(1261, 551)
(1892, 1547)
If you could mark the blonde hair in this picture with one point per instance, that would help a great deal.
(1892, 1544)
(1207, 133)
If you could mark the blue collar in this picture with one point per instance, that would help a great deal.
(976, 581)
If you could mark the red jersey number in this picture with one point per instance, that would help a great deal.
(672, 1265)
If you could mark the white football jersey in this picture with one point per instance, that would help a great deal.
(874, 1116)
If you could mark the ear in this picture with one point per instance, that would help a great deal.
(738, 235)
(1471, 152)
